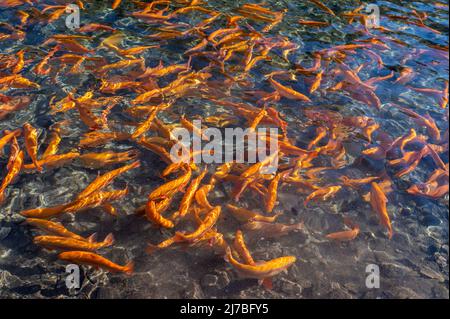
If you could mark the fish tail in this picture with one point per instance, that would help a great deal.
(92, 238)
(109, 240)
(129, 268)
(390, 232)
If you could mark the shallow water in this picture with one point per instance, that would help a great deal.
(414, 264)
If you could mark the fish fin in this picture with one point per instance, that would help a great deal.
(267, 283)
(92, 238)
(109, 240)
(390, 233)
(366, 197)
(129, 268)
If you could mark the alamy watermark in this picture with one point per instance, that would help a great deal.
(73, 277)
(73, 17)
(373, 20)
(373, 279)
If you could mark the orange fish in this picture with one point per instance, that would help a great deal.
(357, 183)
(55, 229)
(155, 217)
(288, 92)
(53, 161)
(261, 270)
(31, 144)
(88, 258)
(209, 222)
(271, 197)
(188, 197)
(378, 201)
(104, 180)
(323, 193)
(95, 200)
(347, 234)
(94, 139)
(317, 82)
(241, 248)
(14, 167)
(271, 230)
(68, 243)
(99, 160)
(7, 137)
(323, 7)
(246, 215)
(168, 189)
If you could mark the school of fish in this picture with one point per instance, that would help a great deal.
(134, 101)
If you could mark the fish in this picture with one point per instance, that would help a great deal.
(96, 138)
(201, 196)
(95, 200)
(317, 82)
(209, 222)
(246, 215)
(313, 23)
(91, 259)
(357, 183)
(154, 216)
(53, 161)
(271, 230)
(261, 270)
(323, 193)
(45, 213)
(55, 228)
(192, 128)
(272, 193)
(14, 168)
(92, 27)
(104, 180)
(345, 235)
(171, 187)
(323, 7)
(7, 137)
(288, 92)
(425, 120)
(378, 201)
(188, 197)
(54, 141)
(68, 243)
(241, 248)
(321, 133)
(31, 144)
(99, 160)
(433, 190)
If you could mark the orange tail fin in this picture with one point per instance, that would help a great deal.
(109, 240)
(129, 268)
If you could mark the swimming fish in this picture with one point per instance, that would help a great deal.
(91, 259)
(378, 201)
